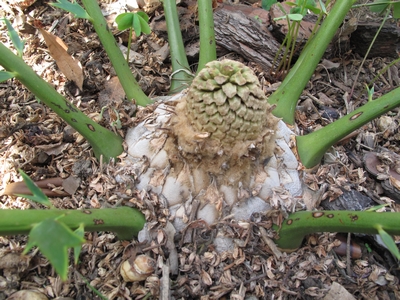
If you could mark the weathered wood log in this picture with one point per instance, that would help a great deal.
(245, 30)
(245, 36)
(387, 43)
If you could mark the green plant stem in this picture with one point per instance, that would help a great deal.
(208, 51)
(181, 77)
(296, 27)
(288, 93)
(312, 147)
(128, 52)
(126, 222)
(299, 224)
(375, 3)
(103, 141)
(128, 81)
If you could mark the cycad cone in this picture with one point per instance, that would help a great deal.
(218, 146)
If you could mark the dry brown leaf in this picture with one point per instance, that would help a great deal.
(70, 67)
(337, 291)
(113, 92)
(71, 184)
(53, 149)
(45, 185)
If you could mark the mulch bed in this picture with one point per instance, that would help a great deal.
(36, 140)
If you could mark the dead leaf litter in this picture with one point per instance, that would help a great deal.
(36, 140)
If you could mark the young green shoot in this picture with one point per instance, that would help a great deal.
(293, 20)
(137, 21)
(17, 42)
(74, 8)
(370, 92)
(4, 76)
(37, 194)
(288, 93)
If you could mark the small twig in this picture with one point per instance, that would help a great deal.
(341, 271)
(165, 288)
(348, 255)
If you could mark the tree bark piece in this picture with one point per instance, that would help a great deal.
(387, 43)
(245, 36)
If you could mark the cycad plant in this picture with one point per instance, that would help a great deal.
(217, 145)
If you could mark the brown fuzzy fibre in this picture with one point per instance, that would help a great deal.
(228, 164)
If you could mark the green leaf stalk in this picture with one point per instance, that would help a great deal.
(208, 50)
(312, 147)
(125, 222)
(104, 142)
(293, 230)
(288, 93)
(181, 76)
(125, 75)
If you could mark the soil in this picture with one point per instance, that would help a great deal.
(36, 140)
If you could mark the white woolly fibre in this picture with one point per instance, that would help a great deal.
(243, 210)
(146, 154)
(174, 191)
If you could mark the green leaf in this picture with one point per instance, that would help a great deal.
(280, 18)
(77, 249)
(396, 10)
(314, 9)
(295, 17)
(389, 242)
(17, 42)
(38, 196)
(144, 25)
(297, 10)
(143, 15)
(74, 8)
(53, 238)
(302, 9)
(379, 8)
(311, 3)
(377, 207)
(124, 21)
(138, 21)
(266, 4)
(322, 5)
(5, 75)
(136, 25)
